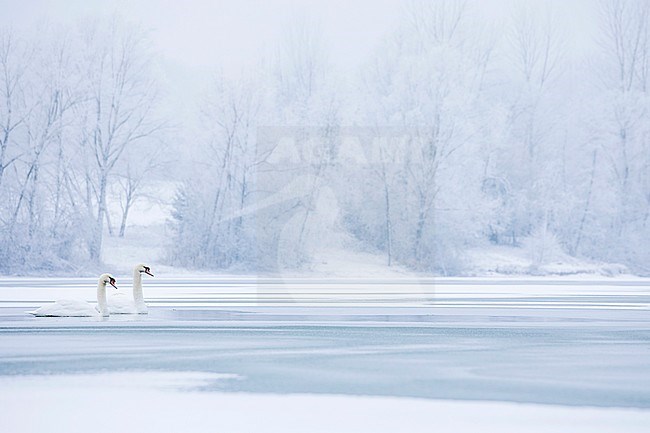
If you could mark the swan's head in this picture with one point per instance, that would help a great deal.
(107, 279)
(143, 268)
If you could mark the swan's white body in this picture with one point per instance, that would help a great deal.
(76, 308)
(67, 308)
(120, 302)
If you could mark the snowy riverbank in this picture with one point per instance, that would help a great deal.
(148, 244)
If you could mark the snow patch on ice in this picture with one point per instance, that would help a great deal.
(165, 402)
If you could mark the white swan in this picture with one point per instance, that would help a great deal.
(75, 308)
(121, 304)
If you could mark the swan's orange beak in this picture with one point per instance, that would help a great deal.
(112, 283)
(146, 271)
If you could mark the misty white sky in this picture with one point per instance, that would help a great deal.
(235, 33)
(231, 34)
(195, 38)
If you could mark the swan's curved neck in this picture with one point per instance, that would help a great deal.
(138, 296)
(101, 298)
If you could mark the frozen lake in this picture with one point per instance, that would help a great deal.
(540, 342)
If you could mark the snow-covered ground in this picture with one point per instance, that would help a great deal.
(149, 236)
(507, 260)
(149, 243)
(173, 402)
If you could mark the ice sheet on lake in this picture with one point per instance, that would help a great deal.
(540, 342)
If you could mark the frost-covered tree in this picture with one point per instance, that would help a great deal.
(133, 176)
(529, 160)
(37, 223)
(218, 233)
(119, 111)
(621, 128)
(14, 61)
(424, 91)
(253, 208)
(71, 104)
(306, 104)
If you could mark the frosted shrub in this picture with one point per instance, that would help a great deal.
(543, 247)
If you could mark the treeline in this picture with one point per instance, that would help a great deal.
(469, 135)
(77, 123)
(454, 135)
